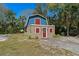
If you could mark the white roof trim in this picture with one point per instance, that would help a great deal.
(40, 25)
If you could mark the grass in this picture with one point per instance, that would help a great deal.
(19, 45)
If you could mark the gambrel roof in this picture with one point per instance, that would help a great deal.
(33, 16)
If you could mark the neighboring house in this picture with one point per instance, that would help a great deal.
(37, 26)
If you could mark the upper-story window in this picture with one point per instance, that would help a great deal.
(37, 21)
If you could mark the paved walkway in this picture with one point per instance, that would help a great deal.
(66, 44)
(3, 37)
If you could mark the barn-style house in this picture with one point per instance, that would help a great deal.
(37, 26)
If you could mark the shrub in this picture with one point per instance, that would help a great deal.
(29, 37)
(56, 36)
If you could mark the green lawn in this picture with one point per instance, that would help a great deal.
(19, 44)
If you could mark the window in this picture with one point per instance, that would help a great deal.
(37, 30)
(51, 30)
(44, 30)
(37, 21)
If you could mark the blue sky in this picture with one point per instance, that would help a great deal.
(19, 7)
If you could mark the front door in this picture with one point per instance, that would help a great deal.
(44, 34)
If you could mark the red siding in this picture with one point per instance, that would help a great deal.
(37, 21)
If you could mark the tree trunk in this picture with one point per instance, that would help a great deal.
(68, 25)
(78, 29)
(68, 31)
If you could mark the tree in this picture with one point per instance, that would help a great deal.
(21, 23)
(10, 21)
(41, 9)
(67, 15)
(2, 19)
(70, 11)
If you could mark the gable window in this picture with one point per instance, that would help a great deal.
(37, 30)
(37, 21)
(50, 29)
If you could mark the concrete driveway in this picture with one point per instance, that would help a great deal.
(68, 43)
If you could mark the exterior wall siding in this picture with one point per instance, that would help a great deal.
(32, 33)
(42, 21)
